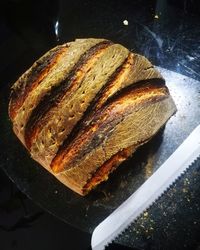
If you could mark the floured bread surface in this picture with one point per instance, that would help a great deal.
(85, 107)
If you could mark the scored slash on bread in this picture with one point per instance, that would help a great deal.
(60, 96)
(85, 107)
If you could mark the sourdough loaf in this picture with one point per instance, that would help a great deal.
(85, 107)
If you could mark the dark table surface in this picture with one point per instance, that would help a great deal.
(168, 33)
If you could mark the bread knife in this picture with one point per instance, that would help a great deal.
(148, 193)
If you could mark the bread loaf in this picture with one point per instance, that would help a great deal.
(85, 107)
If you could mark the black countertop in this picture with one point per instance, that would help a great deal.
(166, 32)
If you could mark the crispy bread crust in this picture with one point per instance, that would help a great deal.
(85, 107)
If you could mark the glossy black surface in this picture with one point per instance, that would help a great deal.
(168, 33)
(24, 225)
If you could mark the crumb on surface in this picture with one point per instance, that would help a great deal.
(125, 22)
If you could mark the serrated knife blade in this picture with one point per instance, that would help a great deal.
(148, 193)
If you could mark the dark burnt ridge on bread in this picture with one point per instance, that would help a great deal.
(102, 97)
(103, 121)
(32, 78)
(150, 83)
(64, 116)
(85, 107)
(99, 99)
(90, 116)
(51, 99)
(92, 107)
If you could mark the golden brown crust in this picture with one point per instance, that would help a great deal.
(86, 108)
(40, 114)
(125, 104)
(78, 175)
(54, 78)
(73, 107)
(126, 75)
